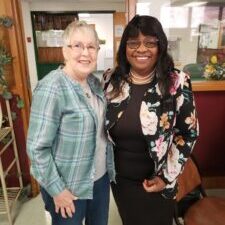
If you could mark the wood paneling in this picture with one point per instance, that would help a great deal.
(119, 19)
(50, 55)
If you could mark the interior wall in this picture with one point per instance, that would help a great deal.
(29, 45)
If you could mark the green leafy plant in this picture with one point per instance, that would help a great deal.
(6, 21)
(5, 59)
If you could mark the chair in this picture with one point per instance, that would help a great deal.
(195, 70)
(206, 210)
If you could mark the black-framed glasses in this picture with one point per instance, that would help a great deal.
(79, 47)
(148, 43)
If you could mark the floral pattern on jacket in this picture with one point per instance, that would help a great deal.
(169, 125)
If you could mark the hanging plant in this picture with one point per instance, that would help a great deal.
(5, 59)
(6, 21)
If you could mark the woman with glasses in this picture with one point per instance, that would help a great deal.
(151, 120)
(66, 143)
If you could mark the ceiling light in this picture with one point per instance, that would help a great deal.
(84, 15)
(195, 4)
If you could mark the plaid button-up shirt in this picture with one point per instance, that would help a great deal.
(61, 141)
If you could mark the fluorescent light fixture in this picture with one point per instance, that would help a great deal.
(194, 4)
(84, 15)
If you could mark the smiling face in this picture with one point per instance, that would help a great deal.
(143, 58)
(81, 54)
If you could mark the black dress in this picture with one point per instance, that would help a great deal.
(133, 164)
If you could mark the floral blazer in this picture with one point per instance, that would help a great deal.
(170, 126)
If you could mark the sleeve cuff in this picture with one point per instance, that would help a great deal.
(55, 188)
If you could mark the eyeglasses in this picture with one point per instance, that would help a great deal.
(79, 47)
(148, 43)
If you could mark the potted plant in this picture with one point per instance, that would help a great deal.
(215, 69)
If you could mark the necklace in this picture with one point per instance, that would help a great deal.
(136, 79)
(87, 95)
(87, 90)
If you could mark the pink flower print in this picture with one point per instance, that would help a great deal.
(176, 83)
(173, 165)
(160, 148)
(149, 120)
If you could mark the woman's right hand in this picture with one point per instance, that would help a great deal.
(64, 203)
(155, 184)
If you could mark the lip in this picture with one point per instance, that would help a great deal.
(142, 58)
(84, 61)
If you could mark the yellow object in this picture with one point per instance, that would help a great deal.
(213, 59)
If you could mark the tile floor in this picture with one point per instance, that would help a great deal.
(31, 211)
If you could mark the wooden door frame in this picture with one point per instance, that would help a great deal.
(130, 9)
(17, 48)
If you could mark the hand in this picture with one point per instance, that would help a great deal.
(154, 185)
(64, 203)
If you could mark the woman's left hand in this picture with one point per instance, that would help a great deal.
(154, 185)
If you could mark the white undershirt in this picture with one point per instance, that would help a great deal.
(100, 157)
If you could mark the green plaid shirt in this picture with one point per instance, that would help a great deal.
(62, 135)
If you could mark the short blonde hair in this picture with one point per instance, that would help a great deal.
(76, 26)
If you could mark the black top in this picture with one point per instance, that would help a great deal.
(132, 159)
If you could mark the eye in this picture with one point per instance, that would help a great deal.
(151, 43)
(91, 48)
(133, 44)
(77, 46)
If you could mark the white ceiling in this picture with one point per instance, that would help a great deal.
(182, 2)
(79, 1)
(120, 1)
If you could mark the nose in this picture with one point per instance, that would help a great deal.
(142, 47)
(85, 50)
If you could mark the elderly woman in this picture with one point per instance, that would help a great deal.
(66, 143)
(151, 120)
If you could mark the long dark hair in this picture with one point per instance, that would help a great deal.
(148, 26)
